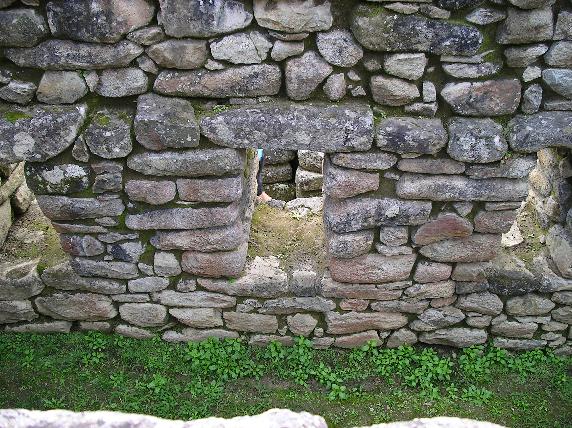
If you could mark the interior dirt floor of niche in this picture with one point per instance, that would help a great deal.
(298, 242)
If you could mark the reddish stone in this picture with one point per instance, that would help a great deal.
(372, 268)
(354, 305)
(443, 227)
(495, 221)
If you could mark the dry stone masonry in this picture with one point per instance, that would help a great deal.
(421, 121)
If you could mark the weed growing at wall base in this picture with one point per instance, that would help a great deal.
(227, 378)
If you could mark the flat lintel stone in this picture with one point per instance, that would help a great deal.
(318, 127)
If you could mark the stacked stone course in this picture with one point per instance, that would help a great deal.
(138, 124)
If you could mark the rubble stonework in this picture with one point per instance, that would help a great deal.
(138, 125)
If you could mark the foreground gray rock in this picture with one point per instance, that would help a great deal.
(530, 133)
(38, 133)
(317, 127)
(293, 17)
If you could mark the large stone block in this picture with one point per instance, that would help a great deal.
(476, 140)
(526, 26)
(197, 335)
(22, 28)
(459, 188)
(195, 299)
(163, 122)
(188, 163)
(20, 281)
(370, 161)
(183, 218)
(143, 314)
(349, 245)
(411, 135)
(228, 189)
(458, 337)
(198, 317)
(529, 305)
(318, 127)
(80, 306)
(12, 311)
(189, 18)
(184, 54)
(210, 239)
(57, 179)
(304, 74)
(353, 214)
(487, 98)
(115, 270)
(474, 248)
(559, 243)
(355, 322)
(151, 192)
(378, 29)
(292, 305)
(482, 303)
(216, 264)
(109, 133)
(241, 81)
(100, 21)
(64, 208)
(372, 268)
(388, 291)
(67, 55)
(263, 277)
(530, 133)
(445, 226)
(294, 16)
(345, 183)
(252, 323)
(38, 133)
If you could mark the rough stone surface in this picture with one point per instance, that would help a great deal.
(241, 48)
(186, 54)
(22, 28)
(411, 135)
(458, 337)
(530, 133)
(109, 134)
(522, 26)
(529, 304)
(482, 303)
(476, 140)
(81, 306)
(443, 227)
(391, 91)
(294, 17)
(372, 268)
(487, 98)
(474, 248)
(61, 87)
(355, 322)
(339, 48)
(304, 74)
(143, 314)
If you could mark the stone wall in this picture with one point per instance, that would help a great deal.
(15, 197)
(137, 121)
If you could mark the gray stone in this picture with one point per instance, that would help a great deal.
(151, 192)
(109, 133)
(277, 173)
(372, 268)
(57, 179)
(20, 281)
(345, 183)
(514, 329)
(485, 16)
(253, 323)
(84, 246)
(431, 165)
(304, 74)
(559, 243)
(303, 283)
(189, 163)
(563, 28)
(531, 99)
(406, 65)
(441, 317)
(143, 314)
(196, 299)
(562, 297)
(559, 80)
(487, 98)
(532, 133)
(122, 82)
(355, 322)
(133, 332)
(370, 161)
(65, 55)
(459, 188)
(301, 324)
(432, 272)
(198, 317)
(411, 135)
(379, 30)
(148, 284)
(217, 264)
(146, 64)
(18, 92)
(352, 214)
(339, 48)
(318, 127)
(458, 337)
(98, 20)
(209, 239)
(42, 328)
(358, 339)
(163, 122)
(335, 87)
(241, 48)
(292, 305)
(522, 26)
(411, 306)
(471, 71)
(12, 311)
(563, 314)
(518, 344)
(349, 245)
(474, 248)
(114, 270)
(391, 91)
(482, 303)
(531, 73)
(228, 189)
(282, 50)
(294, 17)
(532, 4)
(80, 306)
(529, 304)
(197, 335)
(147, 36)
(401, 337)
(61, 87)
(188, 18)
(523, 56)
(22, 28)
(186, 54)
(394, 235)
(431, 290)
(559, 54)
(494, 221)
(63, 208)
(240, 81)
(166, 264)
(310, 160)
(476, 140)
(126, 251)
